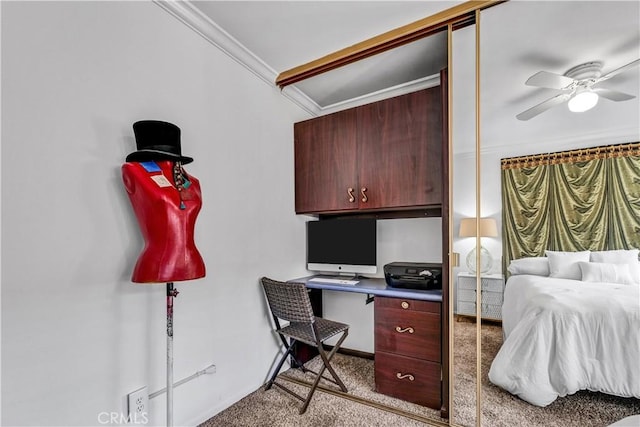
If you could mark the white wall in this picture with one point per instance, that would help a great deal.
(77, 335)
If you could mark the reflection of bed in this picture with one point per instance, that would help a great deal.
(565, 335)
(571, 311)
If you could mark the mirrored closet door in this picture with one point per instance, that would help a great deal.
(518, 40)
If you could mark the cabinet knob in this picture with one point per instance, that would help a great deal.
(404, 305)
(352, 198)
(403, 330)
(402, 376)
(364, 196)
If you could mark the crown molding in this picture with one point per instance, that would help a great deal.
(309, 105)
(192, 17)
(301, 99)
(551, 145)
(390, 92)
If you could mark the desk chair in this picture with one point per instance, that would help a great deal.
(290, 302)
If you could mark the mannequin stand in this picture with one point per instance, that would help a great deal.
(171, 293)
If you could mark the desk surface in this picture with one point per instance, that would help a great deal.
(371, 286)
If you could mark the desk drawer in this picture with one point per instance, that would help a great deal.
(408, 304)
(407, 378)
(408, 333)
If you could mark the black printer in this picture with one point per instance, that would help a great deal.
(413, 275)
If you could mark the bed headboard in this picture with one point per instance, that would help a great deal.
(587, 199)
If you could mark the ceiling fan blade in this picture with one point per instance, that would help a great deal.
(613, 95)
(549, 80)
(619, 70)
(543, 106)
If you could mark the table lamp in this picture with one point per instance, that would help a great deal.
(488, 228)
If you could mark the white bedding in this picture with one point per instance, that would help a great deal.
(564, 335)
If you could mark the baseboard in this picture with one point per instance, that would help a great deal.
(356, 353)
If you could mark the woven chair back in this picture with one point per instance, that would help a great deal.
(288, 301)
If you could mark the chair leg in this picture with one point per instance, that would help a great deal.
(326, 358)
(280, 363)
(305, 404)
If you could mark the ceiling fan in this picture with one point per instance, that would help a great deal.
(577, 88)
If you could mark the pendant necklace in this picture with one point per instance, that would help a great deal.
(181, 181)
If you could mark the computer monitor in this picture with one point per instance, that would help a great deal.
(342, 246)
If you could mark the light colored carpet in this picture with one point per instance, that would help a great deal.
(277, 408)
(500, 409)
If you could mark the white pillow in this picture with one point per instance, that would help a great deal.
(538, 266)
(606, 272)
(621, 256)
(564, 265)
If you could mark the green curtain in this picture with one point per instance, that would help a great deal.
(525, 211)
(574, 200)
(578, 213)
(623, 191)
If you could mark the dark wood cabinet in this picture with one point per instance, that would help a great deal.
(400, 151)
(378, 157)
(408, 343)
(325, 163)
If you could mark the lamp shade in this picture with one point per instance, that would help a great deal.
(488, 227)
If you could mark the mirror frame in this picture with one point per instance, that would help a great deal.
(460, 15)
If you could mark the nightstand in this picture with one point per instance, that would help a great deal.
(492, 291)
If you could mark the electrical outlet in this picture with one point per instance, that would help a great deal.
(138, 406)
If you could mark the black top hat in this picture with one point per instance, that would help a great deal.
(156, 140)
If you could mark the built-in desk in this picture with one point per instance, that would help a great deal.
(408, 337)
(375, 286)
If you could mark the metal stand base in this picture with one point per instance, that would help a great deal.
(171, 293)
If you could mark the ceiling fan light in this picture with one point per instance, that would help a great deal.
(583, 101)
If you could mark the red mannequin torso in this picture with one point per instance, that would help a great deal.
(170, 253)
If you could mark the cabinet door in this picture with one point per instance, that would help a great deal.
(400, 151)
(325, 163)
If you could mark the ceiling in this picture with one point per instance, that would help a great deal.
(518, 39)
(285, 34)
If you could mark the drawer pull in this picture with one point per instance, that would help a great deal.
(401, 376)
(404, 305)
(364, 196)
(352, 198)
(403, 330)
